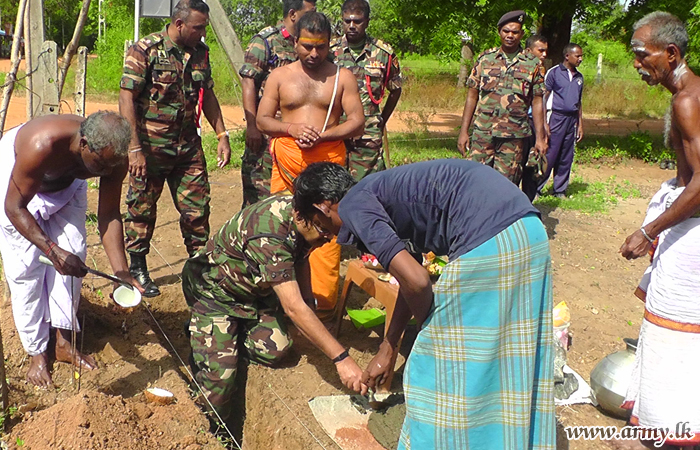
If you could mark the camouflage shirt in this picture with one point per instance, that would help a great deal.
(168, 80)
(256, 248)
(376, 69)
(506, 90)
(273, 47)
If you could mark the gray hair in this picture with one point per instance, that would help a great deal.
(184, 7)
(666, 29)
(105, 129)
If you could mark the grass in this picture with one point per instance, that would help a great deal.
(621, 91)
(11, 411)
(210, 143)
(592, 197)
(431, 84)
(406, 148)
(584, 196)
(638, 145)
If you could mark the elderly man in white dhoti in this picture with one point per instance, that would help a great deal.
(664, 391)
(42, 186)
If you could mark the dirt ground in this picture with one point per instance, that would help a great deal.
(110, 412)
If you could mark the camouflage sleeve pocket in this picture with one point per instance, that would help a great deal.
(277, 274)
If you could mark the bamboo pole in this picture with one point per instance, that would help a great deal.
(72, 45)
(11, 76)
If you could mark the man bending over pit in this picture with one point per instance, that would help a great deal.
(44, 192)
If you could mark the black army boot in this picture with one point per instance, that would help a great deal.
(139, 271)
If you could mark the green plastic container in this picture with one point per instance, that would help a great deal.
(367, 318)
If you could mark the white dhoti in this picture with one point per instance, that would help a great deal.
(41, 297)
(664, 390)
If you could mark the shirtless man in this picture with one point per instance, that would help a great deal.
(312, 93)
(664, 390)
(45, 164)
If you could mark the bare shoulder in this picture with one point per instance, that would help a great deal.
(281, 73)
(42, 135)
(686, 103)
(346, 76)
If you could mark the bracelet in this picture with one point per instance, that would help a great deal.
(342, 356)
(135, 150)
(644, 232)
(51, 246)
(134, 146)
(288, 127)
(222, 134)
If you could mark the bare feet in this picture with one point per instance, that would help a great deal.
(38, 373)
(63, 352)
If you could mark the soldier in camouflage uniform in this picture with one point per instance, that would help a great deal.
(165, 86)
(249, 274)
(503, 84)
(376, 68)
(273, 47)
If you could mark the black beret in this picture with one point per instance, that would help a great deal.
(513, 16)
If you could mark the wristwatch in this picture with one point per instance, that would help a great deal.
(342, 356)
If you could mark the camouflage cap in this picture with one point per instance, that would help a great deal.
(513, 16)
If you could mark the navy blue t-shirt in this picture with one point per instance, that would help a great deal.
(447, 206)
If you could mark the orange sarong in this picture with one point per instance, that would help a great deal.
(288, 161)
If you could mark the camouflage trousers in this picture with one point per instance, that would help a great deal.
(256, 171)
(504, 155)
(216, 341)
(364, 157)
(186, 174)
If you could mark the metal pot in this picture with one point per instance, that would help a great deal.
(611, 378)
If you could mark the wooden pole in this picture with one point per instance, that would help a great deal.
(226, 35)
(72, 45)
(36, 42)
(28, 65)
(15, 59)
(48, 68)
(80, 78)
(599, 68)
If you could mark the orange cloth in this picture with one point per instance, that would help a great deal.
(288, 161)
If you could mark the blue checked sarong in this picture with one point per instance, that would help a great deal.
(480, 372)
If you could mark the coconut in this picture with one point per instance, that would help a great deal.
(126, 297)
(159, 396)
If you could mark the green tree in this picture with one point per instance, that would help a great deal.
(8, 11)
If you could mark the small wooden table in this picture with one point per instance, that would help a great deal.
(386, 293)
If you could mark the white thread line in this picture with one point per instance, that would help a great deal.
(299, 420)
(199, 388)
(172, 269)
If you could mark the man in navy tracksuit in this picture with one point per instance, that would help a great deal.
(564, 126)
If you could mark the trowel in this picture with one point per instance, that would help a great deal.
(373, 402)
(345, 418)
